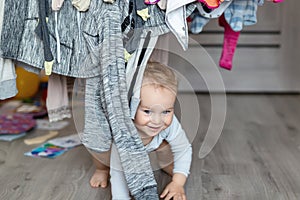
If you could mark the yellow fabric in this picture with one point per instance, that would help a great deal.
(41, 139)
(144, 14)
(48, 67)
(127, 55)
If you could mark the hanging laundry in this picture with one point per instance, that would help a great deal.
(197, 22)
(43, 33)
(144, 14)
(57, 105)
(108, 92)
(213, 13)
(236, 14)
(25, 46)
(278, 1)
(57, 4)
(138, 11)
(134, 26)
(211, 4)
(162, 4)
(81, 5)
(12, 30)
(176, 13)
(202, 15)
(229, 44)
(151, 2)
(160, 53)
(241, 13)
(109, 1)
(8, 86)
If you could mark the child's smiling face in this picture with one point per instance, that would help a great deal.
(156, 110)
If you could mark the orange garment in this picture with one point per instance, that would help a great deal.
(211, 4)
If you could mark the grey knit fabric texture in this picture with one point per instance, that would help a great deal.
(42, 28)
(92, 48)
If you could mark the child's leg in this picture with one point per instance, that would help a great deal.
(165, 157)
(100, 176)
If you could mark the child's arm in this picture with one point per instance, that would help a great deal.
(175, 189)
(182, 152)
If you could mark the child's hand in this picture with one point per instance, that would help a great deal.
(174, 190)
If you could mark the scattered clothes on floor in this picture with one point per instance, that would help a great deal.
(10, 106)
(67, 141)
(55, 147)
(46, 150)
(44, 124)
(17, 118)
(33, 110)
(16, 123)
(41, 139)
(28, 108)
(10, 138)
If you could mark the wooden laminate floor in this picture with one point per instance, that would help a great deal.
(257, 157)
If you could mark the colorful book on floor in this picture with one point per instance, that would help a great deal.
(55, 147)
(67, 141)
(46, 150)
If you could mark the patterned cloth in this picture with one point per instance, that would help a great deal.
(198, 22)
(240, 13)
(200, 17)
(16, 123)
(237, 14)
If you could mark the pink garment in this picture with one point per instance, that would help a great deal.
(151, 2)
(229, 44)
(16, 123)
(57, 4)
(277, 1)
(57, 102)
(211, 4)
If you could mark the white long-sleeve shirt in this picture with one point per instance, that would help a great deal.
(181, 149)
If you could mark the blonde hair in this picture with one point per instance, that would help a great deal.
(161, 76)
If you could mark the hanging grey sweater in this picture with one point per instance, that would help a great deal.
(101, 40)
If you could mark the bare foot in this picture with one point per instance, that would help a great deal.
(99, 178)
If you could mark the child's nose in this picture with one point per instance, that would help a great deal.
(156, 118)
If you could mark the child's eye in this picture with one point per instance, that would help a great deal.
(166, 112)
(147, 111)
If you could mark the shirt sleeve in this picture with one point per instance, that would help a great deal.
(119, 188)
(180, 146)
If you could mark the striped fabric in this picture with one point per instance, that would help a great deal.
(198, 22)
(241, 12)
(238, 14)
(8, 87)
